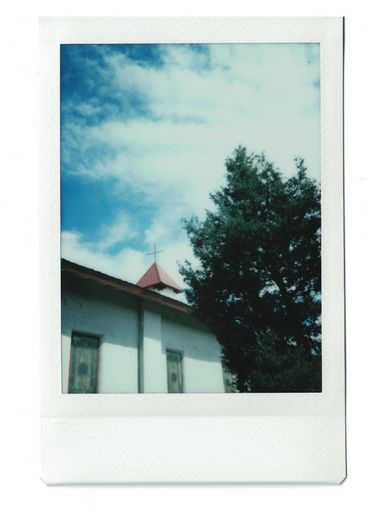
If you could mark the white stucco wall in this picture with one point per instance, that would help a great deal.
(201, 353)
(153, 361)
(134, 337)
(115, 321)
(164, 329)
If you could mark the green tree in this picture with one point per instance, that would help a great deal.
(258, 282)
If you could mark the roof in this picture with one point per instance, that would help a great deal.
(156, 275)
(121, 285)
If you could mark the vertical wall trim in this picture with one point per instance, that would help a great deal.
(140, 370)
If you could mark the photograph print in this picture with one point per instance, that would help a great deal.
(190, 218)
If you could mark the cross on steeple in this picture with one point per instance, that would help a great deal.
(156, 278)
(154, 253)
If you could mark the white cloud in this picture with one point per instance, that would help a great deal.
(120, 230)
(200, 108)
(128, 264)
(260, 97)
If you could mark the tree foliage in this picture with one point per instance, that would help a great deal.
(258, 283)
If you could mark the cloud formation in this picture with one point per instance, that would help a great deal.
(156, 123)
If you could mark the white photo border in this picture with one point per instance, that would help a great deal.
(114, 438)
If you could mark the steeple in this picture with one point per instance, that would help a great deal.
(156, 278)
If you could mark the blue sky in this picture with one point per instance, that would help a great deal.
(145, 131)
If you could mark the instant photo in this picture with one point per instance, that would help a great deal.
(190, 218)
(192, 270)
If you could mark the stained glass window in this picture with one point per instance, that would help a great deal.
(83, 364)
(174, 371)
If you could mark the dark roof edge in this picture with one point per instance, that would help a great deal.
(124, 286)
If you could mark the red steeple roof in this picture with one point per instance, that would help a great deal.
(156, 275)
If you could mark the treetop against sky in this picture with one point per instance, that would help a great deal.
(146, 129)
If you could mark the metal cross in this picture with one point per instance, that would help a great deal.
(154, 253)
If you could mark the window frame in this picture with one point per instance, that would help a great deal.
(181, 369)
(98, 339)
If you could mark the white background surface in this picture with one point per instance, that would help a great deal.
(19, 299)
(278, 437)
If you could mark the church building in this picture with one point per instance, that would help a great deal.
(119, 337)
